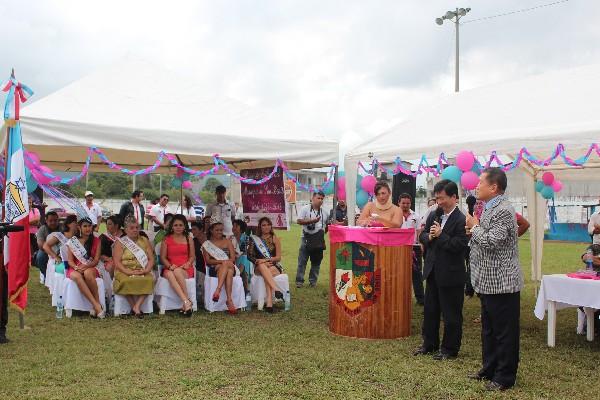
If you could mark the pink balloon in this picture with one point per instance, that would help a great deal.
(557, 186)
(469, 180)
(341, 183)
(548, 178)
(368, 184)
(187, 184)
(341, 195)
(465, 161)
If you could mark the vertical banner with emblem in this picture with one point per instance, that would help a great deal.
(266, 200)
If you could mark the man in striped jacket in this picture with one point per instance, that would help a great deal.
(497, 277)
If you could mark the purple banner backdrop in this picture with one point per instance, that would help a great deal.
(266, 200)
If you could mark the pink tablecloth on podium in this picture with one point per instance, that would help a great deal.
(374, 236)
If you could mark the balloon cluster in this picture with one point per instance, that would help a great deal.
(466, 171)
(181, 179)
(365, 187)
(36, 173)
(548, 186)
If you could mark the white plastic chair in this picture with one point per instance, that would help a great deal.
(50, 272)
(74, 300)
(258, 291)
(238, 294)
(122, 306)
(166, 297)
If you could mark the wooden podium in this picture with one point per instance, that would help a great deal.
(370, 292)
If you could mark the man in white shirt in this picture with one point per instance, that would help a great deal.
(158, 212)
(413, 221)
(594, 227)
(222, 211)
(313, 219)
(94, 211)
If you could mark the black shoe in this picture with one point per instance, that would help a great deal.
(443, 356)
(496, 387)
(421, 351)
(3, 340)
(270, 310)
(299, 285)
(478, 376)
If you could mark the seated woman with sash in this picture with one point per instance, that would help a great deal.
(219, 255)
(133, 260)
(240, 244)
(107, 240)
(84, 255)
(178, 259)
(381, 212)
(56, 241)
(265, 252)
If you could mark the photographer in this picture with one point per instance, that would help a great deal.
(313, 219)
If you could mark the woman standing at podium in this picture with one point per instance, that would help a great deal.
(381, 212)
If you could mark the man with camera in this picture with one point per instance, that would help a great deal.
(313, 219)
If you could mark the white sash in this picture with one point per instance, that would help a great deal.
(214, 251)
(261, 246)
(137, 251)
(61, 238)
(78, 250)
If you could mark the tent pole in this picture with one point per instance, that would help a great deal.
(335, 193)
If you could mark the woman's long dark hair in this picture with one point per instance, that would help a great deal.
(69, 220)
(178, 217)
(259, 229)
(90, 240)
(187, 199)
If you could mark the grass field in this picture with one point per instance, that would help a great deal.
(285, 355)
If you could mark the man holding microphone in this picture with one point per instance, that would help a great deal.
(497, 277)
(445, 242)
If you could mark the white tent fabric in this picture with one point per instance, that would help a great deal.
(537, 112)
(134, 110)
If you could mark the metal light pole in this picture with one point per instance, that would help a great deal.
(454, 16)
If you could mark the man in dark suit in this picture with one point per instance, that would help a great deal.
(445, 241)
(134, 207)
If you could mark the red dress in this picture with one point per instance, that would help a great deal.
(178, 254)
(95, 244)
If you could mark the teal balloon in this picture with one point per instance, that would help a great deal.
(328, 189)
(539, 185)
(362, 198)
(547, 192)
(358, 181)
(176, 183)
(452, 173)
(341, 173)
(31, 185)
(185, 177)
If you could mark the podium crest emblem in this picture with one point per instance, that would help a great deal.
(357, 280)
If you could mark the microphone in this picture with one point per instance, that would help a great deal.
(438, 215)
(471, 200)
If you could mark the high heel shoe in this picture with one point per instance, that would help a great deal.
(270, 310)
(215, 297)
(231, 309)
(188, 312)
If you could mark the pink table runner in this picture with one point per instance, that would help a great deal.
(584, 275)
(375, 236)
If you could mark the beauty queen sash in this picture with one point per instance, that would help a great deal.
(78, 250)
(263, 249)
(135, 249)
(217, 253)
(61, 238)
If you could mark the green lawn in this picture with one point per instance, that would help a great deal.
(285, 355)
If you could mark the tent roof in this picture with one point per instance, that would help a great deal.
(134, 110)
(537, 112)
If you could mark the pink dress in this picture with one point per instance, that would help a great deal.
(95, 244)
(178, 254)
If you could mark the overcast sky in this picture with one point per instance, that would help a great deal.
(349, 69)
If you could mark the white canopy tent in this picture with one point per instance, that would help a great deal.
(133, 110)
(537, 113)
